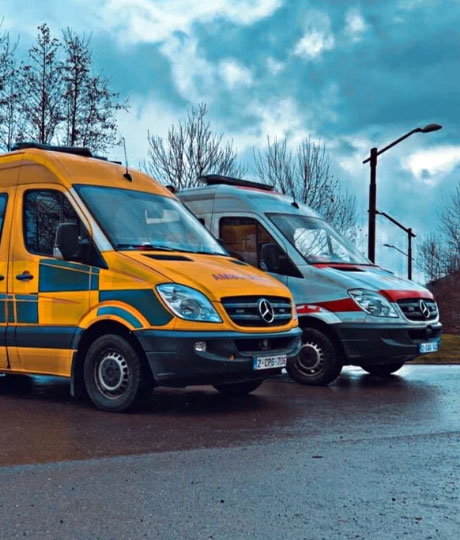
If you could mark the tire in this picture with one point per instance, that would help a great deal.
(116, 378)
(238, 389)
(318, 362)
(383, 370)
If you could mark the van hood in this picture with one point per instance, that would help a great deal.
(215, 276)
(375, 279)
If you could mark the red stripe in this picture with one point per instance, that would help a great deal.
(395, 295)
(346, 304)
(305, 308)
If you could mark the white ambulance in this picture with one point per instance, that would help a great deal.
(352, 312)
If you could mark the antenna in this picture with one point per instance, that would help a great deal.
(294, 203)
(127, 175)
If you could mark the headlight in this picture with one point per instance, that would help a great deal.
(188, 303)
(373, 303)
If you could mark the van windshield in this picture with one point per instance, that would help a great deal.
(316, 240)
(135, 220)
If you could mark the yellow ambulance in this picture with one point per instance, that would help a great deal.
(106, 279)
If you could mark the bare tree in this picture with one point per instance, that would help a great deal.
(90, 105)
(75, 72)
(42, 85)
(9, 93)
(450, 227)
(305, 175)
(432, 257)
(439, 253)
(5, 59)
(190, 150)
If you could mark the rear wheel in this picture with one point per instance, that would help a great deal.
(116, 377)
(318, 362)
(383, 370)
(238, 389)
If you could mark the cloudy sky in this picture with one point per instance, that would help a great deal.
(354, 74)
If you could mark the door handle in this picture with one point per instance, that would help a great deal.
(25, 276)
(2, 278)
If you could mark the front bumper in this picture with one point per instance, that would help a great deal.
(229, 356)
(367, 344)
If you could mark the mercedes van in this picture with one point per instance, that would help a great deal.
(108, 280)
(350, 310)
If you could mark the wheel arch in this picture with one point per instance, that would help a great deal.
(318, 324)
(86, 338)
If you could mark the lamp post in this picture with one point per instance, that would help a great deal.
(372, 159)
(409, 258)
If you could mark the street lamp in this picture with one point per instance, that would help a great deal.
(372, 159)
(410, 235)
(409, 258)
(397, 249)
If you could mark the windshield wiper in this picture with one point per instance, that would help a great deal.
(152, 247)
(159, 247)
(217, 253)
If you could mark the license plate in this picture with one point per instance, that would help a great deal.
(429, 347)
(270, 362)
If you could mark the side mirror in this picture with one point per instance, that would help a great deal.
(274, 259)
(271, 257)
(66, 244)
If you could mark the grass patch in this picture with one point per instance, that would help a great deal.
(449, 352)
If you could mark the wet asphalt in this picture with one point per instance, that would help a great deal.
(361, 459)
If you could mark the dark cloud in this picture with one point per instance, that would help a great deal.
(396, 68)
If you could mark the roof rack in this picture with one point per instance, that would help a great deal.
(215, 179)
(79, 151)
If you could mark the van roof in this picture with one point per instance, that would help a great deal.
(68, 168)
(224, 198)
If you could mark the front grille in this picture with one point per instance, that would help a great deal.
(413, 310)
(244, 310)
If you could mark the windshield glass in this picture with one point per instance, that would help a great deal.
(140, 220)
(316, 240)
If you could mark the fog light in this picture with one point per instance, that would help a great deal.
(200, 346)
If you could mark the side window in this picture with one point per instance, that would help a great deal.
(240, 238)
(43, 211)
(3, 201)
(248, 240)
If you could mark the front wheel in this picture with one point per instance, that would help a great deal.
(318, 362)
(116, 377)
(383, 370)
(238, 389)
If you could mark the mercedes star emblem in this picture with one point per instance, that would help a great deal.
(424, 309)
(266, 311)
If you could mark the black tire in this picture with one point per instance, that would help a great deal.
(238, 389)
(318, 362)
(116, 377)
(384, 370)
